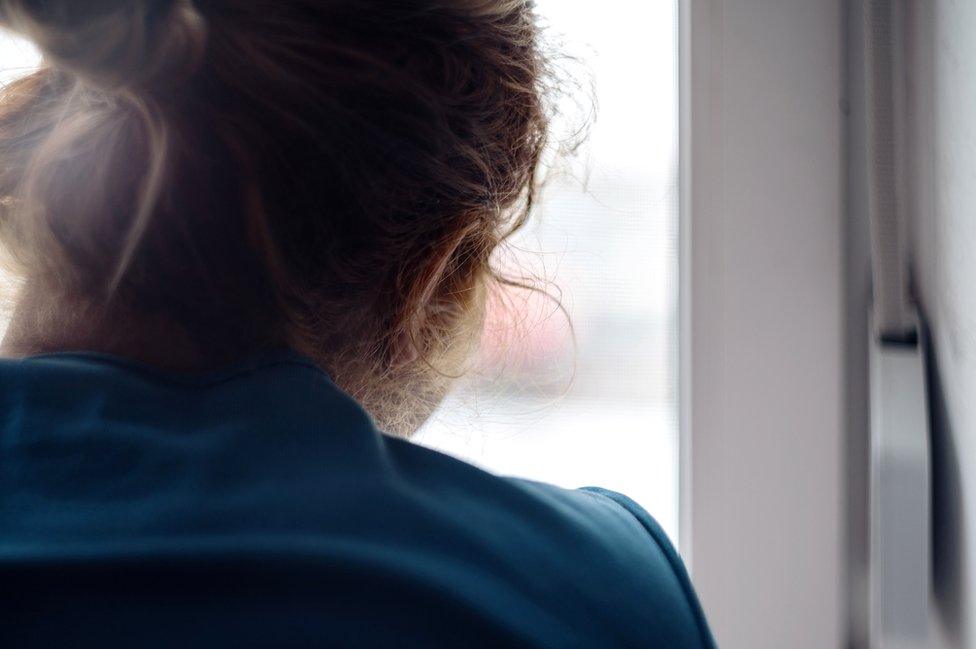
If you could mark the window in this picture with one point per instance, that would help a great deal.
(606, 236)
(17, 57)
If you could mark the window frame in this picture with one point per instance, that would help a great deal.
(762, 244)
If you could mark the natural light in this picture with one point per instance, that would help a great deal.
(606, 236)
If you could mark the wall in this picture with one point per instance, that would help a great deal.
(942, 48)
(764, 168)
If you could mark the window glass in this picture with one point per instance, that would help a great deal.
(17, 57)
(605, 235)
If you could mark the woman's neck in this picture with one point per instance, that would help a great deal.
(46, 321)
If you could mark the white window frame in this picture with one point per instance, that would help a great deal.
(762, 310)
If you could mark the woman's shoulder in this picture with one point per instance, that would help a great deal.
(602, 552)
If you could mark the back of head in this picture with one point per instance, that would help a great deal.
(329, 175)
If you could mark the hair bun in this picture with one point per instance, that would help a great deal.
(115, 44)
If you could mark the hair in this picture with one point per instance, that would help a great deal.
(331, 175)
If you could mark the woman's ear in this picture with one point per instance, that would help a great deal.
(427, 307)
(403, 351)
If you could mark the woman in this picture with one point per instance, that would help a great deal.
(251, 235)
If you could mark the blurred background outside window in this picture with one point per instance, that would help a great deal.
(605, 237)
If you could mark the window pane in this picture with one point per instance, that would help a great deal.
(17, 57)
(606, 235)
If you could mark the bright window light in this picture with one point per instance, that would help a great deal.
(17, 57)
(606, 236)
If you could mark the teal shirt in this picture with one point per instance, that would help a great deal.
(260, 507)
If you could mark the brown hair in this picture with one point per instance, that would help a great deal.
(330, 175)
